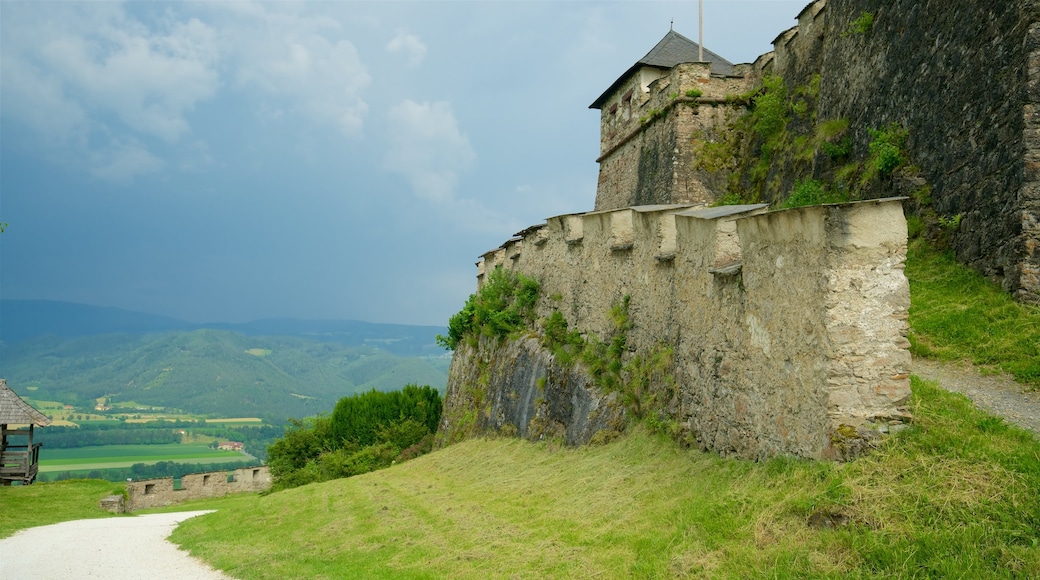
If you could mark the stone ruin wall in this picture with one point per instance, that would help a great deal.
(785, 325)
(645, 158)
(152, 493)
(963, 77)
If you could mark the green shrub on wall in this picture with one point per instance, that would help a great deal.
(503, 305)
(886, 148)
(863, 24)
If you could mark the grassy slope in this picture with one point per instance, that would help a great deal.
(43, 504)
(957, 314)
(955, 495)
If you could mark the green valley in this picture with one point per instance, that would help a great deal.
(213, 373)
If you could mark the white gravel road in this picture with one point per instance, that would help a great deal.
(109, 548)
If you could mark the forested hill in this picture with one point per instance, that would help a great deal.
(214, 372)
(24, 319)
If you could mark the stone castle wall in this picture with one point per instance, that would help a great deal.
(646, 151)
(963, 77)
(784, 326)
(151, 493)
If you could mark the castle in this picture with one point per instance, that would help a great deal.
(785, 330)
(962, 78)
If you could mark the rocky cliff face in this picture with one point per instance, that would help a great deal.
(515, 387)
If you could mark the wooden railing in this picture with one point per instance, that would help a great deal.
(20, 462)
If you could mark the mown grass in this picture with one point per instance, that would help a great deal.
(41, 504)
(956, 495)
(956, 313)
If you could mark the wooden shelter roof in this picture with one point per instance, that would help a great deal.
(15, 411)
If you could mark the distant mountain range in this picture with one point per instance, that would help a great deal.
(275, 368)
(24, 319)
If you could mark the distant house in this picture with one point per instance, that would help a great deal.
(18, 462)
(231, 446)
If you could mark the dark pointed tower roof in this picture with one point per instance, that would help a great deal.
(15, 411)
(673, 49)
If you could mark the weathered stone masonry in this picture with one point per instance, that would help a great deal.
(963, 77)
(785, 325)
(151, 493)
(787, 328)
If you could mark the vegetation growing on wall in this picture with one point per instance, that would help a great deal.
(779, 152)
(863, 24)
(364, 433)
(644, 381)
(503, 305)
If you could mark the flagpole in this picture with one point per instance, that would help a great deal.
(700, 39)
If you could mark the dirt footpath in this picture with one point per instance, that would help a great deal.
(109, 548)
(997, 393)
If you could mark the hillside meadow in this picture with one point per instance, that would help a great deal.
(956, 495)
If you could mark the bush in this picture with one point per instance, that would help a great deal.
(365, 432)
(504, 304)
(886, 148)
(863, 24)
(770, 108)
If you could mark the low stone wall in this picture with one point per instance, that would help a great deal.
(788, 328)
(151, 493)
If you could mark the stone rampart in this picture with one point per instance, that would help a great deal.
(963, 78)
(151, 493)
(784, 326)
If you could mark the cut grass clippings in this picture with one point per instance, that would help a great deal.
(956, 313)
(956, 495)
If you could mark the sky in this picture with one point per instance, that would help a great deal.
(231, 161)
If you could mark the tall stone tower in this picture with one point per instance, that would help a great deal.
(656, 117)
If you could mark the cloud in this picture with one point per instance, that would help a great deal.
(123, 161)
(427, 147)
(297, 61)
(92, 80)
(98, 59)
(108, 86)
(410, 45)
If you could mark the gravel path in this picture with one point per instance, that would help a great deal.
(999, 394)
(109, 548)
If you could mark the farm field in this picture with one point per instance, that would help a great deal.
(116, 456)
(238, 421)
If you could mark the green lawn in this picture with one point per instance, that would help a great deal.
(957, 314)
(955, 496)
(40, 504)
(113, 456)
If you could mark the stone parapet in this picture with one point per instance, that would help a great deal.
(152, 493)
(785, 326)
